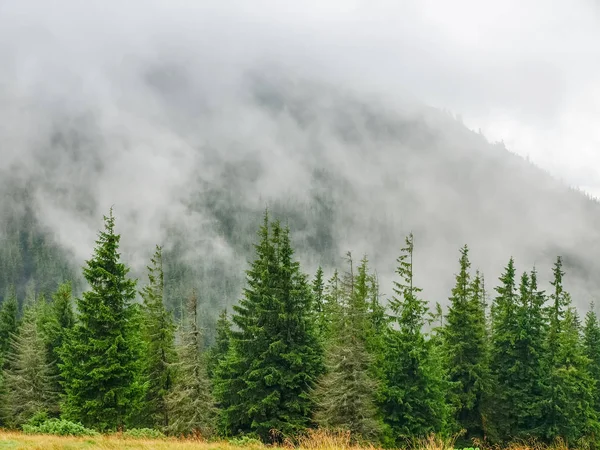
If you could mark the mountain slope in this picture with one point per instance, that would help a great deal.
(193, 168)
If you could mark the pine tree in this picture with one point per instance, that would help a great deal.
(159, 338)
(318, 290)
(59, 323)
(100, 367)
(413, 388)
(465, 348)
(190, 402)
(569, 386)
(219, 350)
(503, 357)
(528, 372)
(29, 373)
(591, 343)
(8, 320)
(345, 394)
(275, 353)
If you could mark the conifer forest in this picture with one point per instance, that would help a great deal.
(506, 360)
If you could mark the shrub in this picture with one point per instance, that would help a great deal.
(143, 433)
(58, 427)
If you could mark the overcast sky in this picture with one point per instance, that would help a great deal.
(524, 71)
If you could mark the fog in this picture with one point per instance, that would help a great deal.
(140, 105)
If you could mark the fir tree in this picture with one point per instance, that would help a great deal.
(528, 372)
(99, 366)
(9, 311)
(159, 338)
(318, 290)
(190, 402)
(60, 321)
(465, 348)
(219, 350)
(591, 343)
(275, 354)
(345, 394)
(28, 376)
(413, 388)
(569, 386)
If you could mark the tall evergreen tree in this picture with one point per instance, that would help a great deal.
(159, 339)
(9, 311)
(190, 402)
(591, 344)
(28, 376)
(345, 394)
(528, 372)
(569, 386)
(219, 350)
(413, 390)
(99, 366)
(59, 323)
(503, 357)
(275, 354)
(465, 348)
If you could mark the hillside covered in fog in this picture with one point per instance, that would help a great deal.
(193, 168)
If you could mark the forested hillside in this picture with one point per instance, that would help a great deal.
(346, 173)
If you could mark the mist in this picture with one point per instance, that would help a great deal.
(152, 106)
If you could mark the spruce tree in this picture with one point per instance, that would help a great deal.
(275, 354)
(465, 348)
(9, 311)
(503, 356)
(345, 394)
(99, 366)
(60, 321)
(190, 402)
(569, 386)
(29, 373)
(413, 389)
(159, 339)
(528, 372)
(219, 350)
(591, 344)
(318, 290)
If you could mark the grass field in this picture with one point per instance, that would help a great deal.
(16, 440)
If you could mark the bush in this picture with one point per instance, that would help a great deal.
(58, 427)
(143, 433)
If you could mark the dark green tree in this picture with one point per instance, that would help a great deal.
(503, 355)
(528, 372)
(413, 390)
(9, 322)
(159, 339)
(219, 350)
(569, 386)
(465, 348)
(275, 354)
(57, 325)
(591, 345)
(190, 401)
(99, 366)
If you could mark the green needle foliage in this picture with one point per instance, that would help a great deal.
(465, 344)
(29, 377)
(190, 402)
(99, 366)
(591, 345)
(413, 389)
(159, 344)
(275, 355)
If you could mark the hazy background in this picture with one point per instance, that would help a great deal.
(190, 117)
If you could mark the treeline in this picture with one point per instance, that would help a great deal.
(299, 353)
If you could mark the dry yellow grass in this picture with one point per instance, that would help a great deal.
(14, 440)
